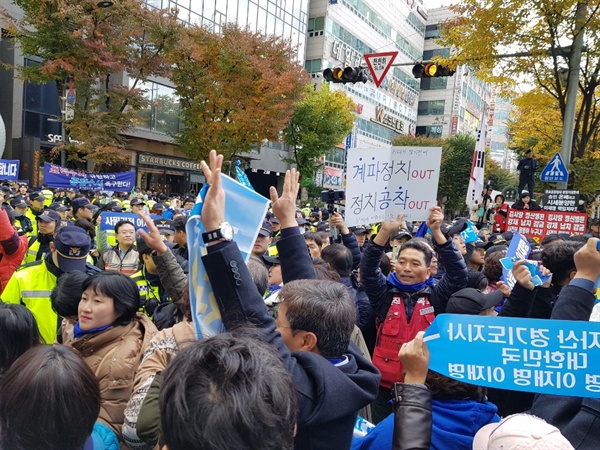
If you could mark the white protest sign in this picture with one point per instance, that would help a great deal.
(384, 182)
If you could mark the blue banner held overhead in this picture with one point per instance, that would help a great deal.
(520, 249)
(62, 177)
(557, 357)
(9, 169)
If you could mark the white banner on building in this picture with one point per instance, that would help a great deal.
(384, 182)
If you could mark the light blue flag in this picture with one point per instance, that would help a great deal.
(520, 249)
(469, 234)
(558, 357)
(242, 177)
(245, 210)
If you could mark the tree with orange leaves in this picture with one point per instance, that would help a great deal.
(236, 88)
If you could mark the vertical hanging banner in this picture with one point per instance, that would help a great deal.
(384, 182)
(477, 179)
(245, 210)
(9, 169)
(62, 177)
(558, 357)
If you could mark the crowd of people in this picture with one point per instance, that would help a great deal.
(324, 322)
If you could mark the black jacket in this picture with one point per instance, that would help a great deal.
(577, 418)
(412, 419)
(527, 168)
(380, 292)
(328, 396)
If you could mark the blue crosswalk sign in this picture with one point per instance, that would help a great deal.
(556, 170)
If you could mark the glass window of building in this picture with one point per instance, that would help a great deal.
(429, 131)
(429, 84)
(313, 65)
(162, 112)
(431, 107)
(443, 52)
(432, 31)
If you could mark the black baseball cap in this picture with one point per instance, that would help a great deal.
(49, 216)
(471, 301)
(399, 234)
(60, 207)
(266, 229)
(136, 201)
(360, 229)
(114, 206)
(72, 247)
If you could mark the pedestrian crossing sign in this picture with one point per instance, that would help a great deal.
(556, 170)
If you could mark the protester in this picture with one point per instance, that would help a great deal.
(314, 244)
(527, 167)
(499, 213)
(19, 332)
(110, 337)
(479, 209)
(31, 419)
(526, 202)
(13, 247)
(122, 257)
(407, 300)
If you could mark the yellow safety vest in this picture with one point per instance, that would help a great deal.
(31, 286)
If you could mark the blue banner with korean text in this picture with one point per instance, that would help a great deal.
(62, 177)
(110, 219)
(557, 357)
(9, 169)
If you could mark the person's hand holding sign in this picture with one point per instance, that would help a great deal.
(434, 222)
(414, 356)
(387, 228)
(587, 260)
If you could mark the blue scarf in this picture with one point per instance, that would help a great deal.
(410, 288)
(78, 332)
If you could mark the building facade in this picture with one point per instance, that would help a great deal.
(500, 109)
(340, 32)
(29, 111)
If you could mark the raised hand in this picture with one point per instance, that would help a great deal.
(213, 207)
(152, 237)
(415, 359)
(284, 206)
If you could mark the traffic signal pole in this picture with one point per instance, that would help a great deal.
(566, 145)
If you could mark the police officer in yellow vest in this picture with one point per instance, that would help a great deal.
(152, 292)
(39, 244)
(36, 207)
(32, 284)
(22, 222)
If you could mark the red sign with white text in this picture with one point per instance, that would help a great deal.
(541, 223)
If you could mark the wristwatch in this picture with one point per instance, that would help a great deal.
(223, 233)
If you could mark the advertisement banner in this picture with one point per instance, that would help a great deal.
(558, 357)
(540, 223)
(61, 177)
(9, 169)
(384, 182)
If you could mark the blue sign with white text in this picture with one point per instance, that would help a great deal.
(556, 170)
(62, 177)
(558, 357)
(110, 219)
(9, 169)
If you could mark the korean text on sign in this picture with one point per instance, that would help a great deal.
(543, 356)
(384, 182)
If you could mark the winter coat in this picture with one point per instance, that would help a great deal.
(454, 424)
(114, 356)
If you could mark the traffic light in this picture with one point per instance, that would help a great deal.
(345, 75)
(431, 70)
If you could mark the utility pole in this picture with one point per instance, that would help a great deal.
(572, 88)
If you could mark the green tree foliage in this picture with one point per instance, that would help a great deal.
(75, 39)
(237, 89)
(455, 170)
(322, 119)
(498, 177)
(544, 30)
